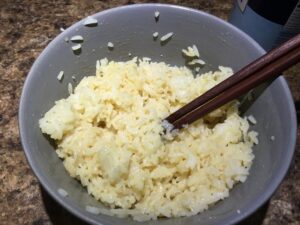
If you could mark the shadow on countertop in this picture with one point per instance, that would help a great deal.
(59, 215)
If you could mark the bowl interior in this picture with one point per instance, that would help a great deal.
(130, 29)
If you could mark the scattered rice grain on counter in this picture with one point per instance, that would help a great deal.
(109, 136)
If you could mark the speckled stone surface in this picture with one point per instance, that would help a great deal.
(26, 27)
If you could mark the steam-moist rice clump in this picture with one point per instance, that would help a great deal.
(110, 137)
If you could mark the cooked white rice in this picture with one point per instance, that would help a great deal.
(155, 34)
(272, 138)
(109, 135)
(70, 88)
(110, 45)
(60, 75)
(90, 21)
(156, 15)
(76, 48)
(191, 51)
(92, 209)
(166, 37)
(196, 61)
(252, 119)
(62, 192)
(77, 38)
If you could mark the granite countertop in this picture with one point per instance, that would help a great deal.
(27, 26)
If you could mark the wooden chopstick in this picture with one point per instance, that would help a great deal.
(236, 78)
(267, 67)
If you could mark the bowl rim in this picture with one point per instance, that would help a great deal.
(76, 211)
